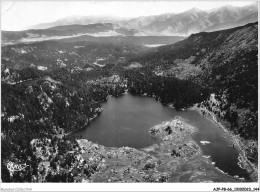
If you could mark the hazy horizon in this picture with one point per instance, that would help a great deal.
(21, 15)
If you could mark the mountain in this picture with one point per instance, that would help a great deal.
(203, 46)
(226, 63)
(79, 20)
(196, 20)
(53, 88)
(65, 31)
(181, 24)
(185, 23)
(229, 16)
(142, 21)
(168, 24)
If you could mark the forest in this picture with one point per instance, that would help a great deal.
(41, 108)
(168, 90)
(227, 65)
(35, 108)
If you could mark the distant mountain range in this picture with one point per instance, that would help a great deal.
(169, 24)
(79, 20)
(194, 21)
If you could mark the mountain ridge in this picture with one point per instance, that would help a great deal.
(226, 63)
(215, 72)
(168, 24)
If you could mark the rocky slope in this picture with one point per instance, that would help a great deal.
(38, 111)
(40, 107)
(168, 24)
(194, 20)
(226, 63)
(185, 23)
(176, 158)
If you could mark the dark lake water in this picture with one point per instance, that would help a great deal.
(126, 120)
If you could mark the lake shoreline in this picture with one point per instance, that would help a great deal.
(177, 153)
(243, 162)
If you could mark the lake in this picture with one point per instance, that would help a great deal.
(126, 121)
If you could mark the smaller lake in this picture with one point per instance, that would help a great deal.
(126, 121)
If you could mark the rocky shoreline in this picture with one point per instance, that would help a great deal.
(235, 140)
(176, 158)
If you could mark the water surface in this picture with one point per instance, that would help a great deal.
(126, 120)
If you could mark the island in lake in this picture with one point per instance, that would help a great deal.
(162, 98)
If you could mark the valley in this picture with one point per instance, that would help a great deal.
(164, 25)
(59, 98)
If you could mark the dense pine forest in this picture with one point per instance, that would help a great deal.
(224, 62)
(40, 108)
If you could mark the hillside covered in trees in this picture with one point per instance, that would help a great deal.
(40, 108)
(226, 63)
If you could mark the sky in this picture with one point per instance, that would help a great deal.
(18, 15)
